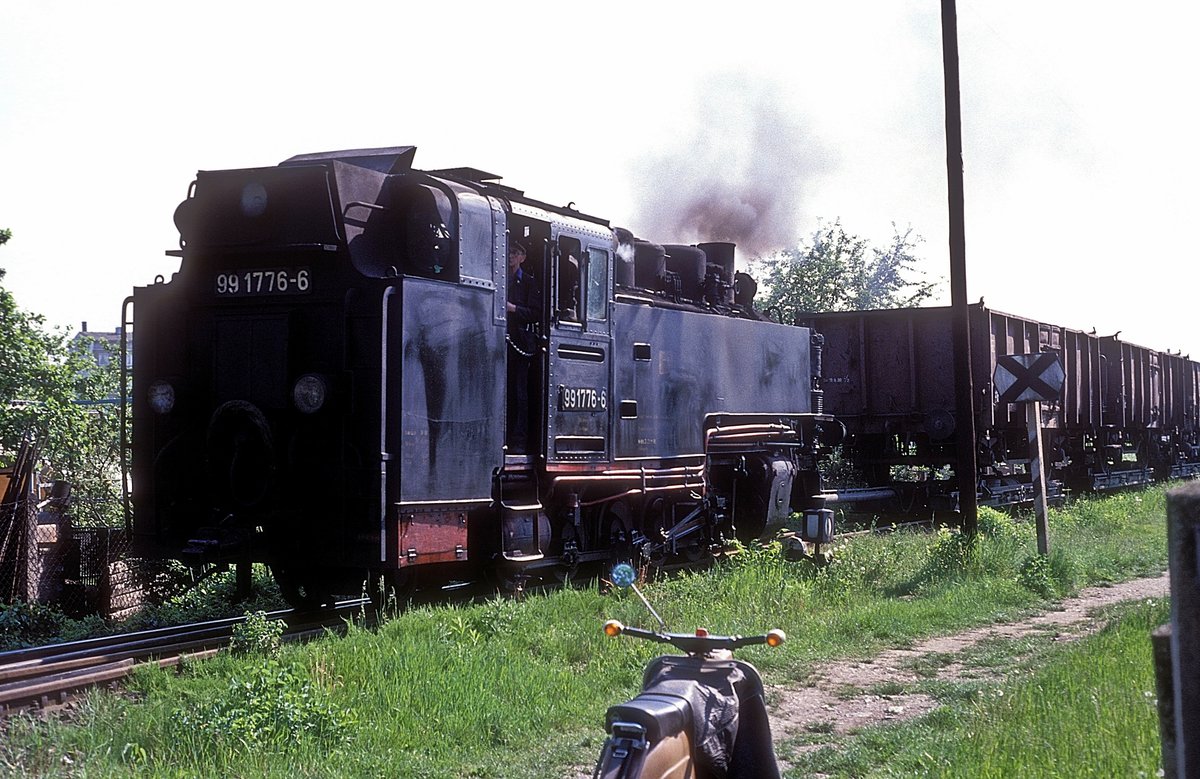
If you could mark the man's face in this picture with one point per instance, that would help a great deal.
(515, 258)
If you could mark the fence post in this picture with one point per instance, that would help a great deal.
(1183, 527)
(105, 571)
(1160, 643)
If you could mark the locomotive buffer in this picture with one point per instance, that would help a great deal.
(1031, 379)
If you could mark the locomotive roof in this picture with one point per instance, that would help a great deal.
(389, 159)
(489, 183)
(399, 159)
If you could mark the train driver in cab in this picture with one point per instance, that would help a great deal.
(524, 308)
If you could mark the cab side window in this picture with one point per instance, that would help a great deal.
(568, 290)
(597, 284)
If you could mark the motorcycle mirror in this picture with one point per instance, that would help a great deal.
(623, 575)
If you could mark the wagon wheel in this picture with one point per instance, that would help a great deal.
(306, 588)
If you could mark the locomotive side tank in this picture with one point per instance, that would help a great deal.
(326, 386)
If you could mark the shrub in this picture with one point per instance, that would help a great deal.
(951, 555)
(273, 711)
(257, 635)
(1035, 575)
(996, 524)
(25, 624)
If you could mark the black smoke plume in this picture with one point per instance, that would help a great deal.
(739, 172)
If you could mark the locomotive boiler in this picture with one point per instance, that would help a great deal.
(326, 385)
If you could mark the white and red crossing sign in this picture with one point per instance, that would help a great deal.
(1025, 378)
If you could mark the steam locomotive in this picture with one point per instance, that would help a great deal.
(326, 386)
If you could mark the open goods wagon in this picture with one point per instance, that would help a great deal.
(1126, 414)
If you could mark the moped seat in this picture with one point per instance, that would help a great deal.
(660, 715)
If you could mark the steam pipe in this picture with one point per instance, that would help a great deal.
(859, 495)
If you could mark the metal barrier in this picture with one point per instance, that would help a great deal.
(48, 559)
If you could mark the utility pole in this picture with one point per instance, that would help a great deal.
(964, 388)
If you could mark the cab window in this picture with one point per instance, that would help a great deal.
(568, 290)
(597, 284)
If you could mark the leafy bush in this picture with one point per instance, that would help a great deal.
(213, 598)
(273, 711)
(995, 524)
(951, 553)
(24, 624)
(1035, 575)
(28, 624)
(257, 635)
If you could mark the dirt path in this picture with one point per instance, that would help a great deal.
(844, 697)
(847, 696)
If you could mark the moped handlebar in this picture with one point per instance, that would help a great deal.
(698, 643)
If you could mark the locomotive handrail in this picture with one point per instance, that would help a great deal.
(222, 251)
(123, 438)
(369, 206)
(738, 433)
(384, 454)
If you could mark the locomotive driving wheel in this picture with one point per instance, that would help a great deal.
(613, 532)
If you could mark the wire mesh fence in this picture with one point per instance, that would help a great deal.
(52, 556)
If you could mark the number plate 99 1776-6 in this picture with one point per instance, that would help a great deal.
(263, 281)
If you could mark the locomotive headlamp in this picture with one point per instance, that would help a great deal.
(254, 199)
(161, 397)
(776, 637)
(613, 628)
(309, 393)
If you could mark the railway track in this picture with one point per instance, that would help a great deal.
(48, 676)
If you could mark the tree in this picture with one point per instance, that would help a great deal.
(837, 271)
(52, 391)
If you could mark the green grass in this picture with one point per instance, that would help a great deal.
(519, 688)
(1086, 710)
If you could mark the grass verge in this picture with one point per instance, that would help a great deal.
(1080, 709)
(519, 688)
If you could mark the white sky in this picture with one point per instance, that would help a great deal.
(1080, 127)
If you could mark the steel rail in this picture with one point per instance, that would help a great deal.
(48, 675)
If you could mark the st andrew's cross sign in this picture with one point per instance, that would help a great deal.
(1031, 379)
(1025, 378)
